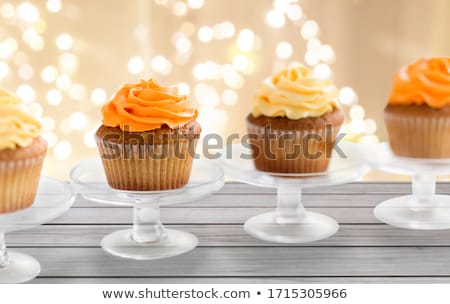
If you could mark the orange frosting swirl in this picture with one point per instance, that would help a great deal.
(147, 106)
(427, 81)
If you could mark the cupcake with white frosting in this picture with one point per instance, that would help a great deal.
(294, 122)
(22, 152)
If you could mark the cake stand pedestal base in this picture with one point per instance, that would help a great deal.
(18, 268)
(290, 222)
(148, 239)
(53, 198)
(173, 243)
(423, 209)
(407, 212)
(310, 227)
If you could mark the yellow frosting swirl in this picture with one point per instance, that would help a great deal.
(295, 93)
(18, 127)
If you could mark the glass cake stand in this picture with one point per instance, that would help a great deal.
(291, 222)
(423, 209)
(148, 239)
(52, 200)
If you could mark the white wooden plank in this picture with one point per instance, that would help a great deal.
(243, 280)
(231, 235)
(364, 250)
(180, 215)
(251, 261)
(398, 188)
(267, 200)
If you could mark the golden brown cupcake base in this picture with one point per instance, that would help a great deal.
(418, 131)
(148, 161)
(282, 145)
(20, 171)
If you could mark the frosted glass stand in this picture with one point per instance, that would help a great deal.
(52, 200)
(148, 239)
(290, 222)
(423, 209)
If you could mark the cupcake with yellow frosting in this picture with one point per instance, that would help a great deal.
(294, 122)
(417, 116)
(22, 152)
(148, 137)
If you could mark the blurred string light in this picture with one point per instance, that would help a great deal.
(184, 88)
(284, 50)
(246, 40)
(54, 6)
(98, 96)
(16, 53)
(161, 65)
(54, 97)
(64, 42)
(205, 34)
(78, 120)
(49, 74)
(245, 44)
(215, 84)
(319, 56)
(4, 69)
(62, 150)
(136, 65)
(26, 93)
(275, 18)
(196, 4)
(28, 12)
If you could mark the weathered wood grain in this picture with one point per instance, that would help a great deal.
(230, 235)
(363, 251)
(247, 280)
(266, 200)
(251, 262)
(180, 215)
(398, 188)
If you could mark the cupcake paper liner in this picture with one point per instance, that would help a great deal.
(148, 167)
(418, 136)
(289, 155)
(19, 180)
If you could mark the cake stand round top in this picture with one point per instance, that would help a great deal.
(53, 198)
(380, 156)
(346, 165)
(89, 180)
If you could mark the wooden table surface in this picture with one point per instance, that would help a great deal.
(364, 250)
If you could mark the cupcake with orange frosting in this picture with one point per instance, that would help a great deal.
(148, 137)
(294, 122)
(22, 152)
(417, 116)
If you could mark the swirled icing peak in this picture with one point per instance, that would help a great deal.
(426, 81)
(147, 106)
(19, 126)
(295, 93)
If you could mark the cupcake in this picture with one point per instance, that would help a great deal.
(148, 137)
(417, 116)
(294, 122)
(22, 153)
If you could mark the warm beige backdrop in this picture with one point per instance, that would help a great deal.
(371, 40)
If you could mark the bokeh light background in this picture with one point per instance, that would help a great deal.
(71, 56)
